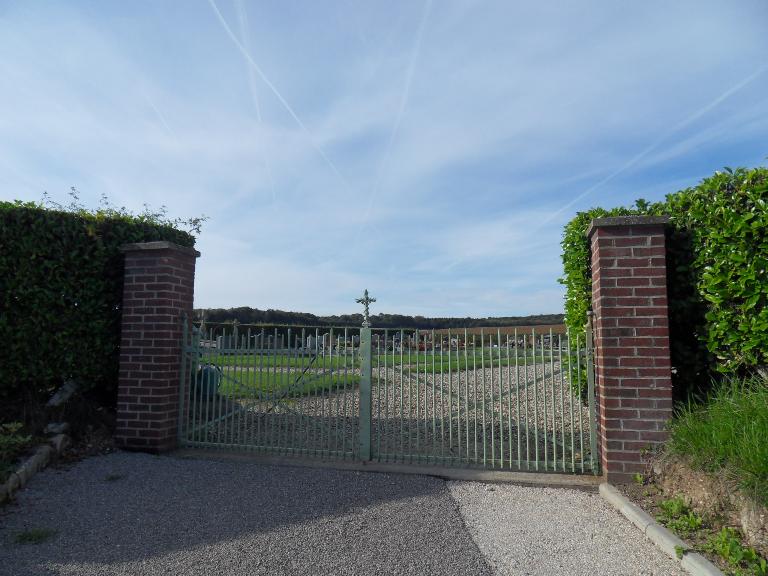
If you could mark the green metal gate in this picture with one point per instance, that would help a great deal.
(486, 398)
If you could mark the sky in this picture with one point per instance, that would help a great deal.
(430, 152)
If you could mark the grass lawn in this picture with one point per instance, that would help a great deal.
(13, 443)
(249, 374)
(250, 384)
(441, 362)
(259, 359)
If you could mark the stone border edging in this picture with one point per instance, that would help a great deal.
(542, 480)
(38, 461)
(692, 562)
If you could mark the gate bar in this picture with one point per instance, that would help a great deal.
(591, 393)
(365, 394)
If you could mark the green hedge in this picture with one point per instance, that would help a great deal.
(61, 275)
(717, 266)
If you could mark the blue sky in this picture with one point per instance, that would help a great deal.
(430, 152)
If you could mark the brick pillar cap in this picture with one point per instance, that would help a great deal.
(160, 245)
(612, 221)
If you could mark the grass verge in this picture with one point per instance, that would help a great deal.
(13, 443)
(727, 432)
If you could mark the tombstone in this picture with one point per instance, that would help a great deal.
(311, 342)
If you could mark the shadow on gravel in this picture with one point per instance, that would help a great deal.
(128, 508)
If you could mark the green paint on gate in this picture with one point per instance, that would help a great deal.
(484, 401)
(364, 450)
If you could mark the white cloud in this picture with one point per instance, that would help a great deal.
(512, 111)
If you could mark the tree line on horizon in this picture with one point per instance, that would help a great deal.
(247, 315)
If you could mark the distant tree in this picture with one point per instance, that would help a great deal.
(246, 315)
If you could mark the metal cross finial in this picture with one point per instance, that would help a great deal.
(365, 301)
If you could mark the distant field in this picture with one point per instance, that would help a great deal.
(521, 330)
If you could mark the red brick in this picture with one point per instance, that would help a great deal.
(654, 352)
(638, 403)
(654, 435)
(649, 251)
(655, 291)
(631, 241)
(638, 321)
(634, 281)
(627, 435)
(614, 252)
(633, 263)
(621, 413)
(616, 292)
(616, 455)
(636, 362)
(639, 447)
(639, 425)
(659, 415)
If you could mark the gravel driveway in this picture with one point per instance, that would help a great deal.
(524, 531)
(140, 514)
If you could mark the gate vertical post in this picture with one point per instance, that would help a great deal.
(183, 376)
(631, 330)
(365, 393)
(590, 350)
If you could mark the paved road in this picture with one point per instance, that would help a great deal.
(146, 515)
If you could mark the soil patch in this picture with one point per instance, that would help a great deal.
(711, 498)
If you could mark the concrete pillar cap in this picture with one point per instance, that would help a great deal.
(159, 245)
(615, 221)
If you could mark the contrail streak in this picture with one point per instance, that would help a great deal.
(400, 112)
(159, 114)
(635, 160)
(275, 91)
(242, 18)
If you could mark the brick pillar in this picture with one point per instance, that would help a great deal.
(631, 332)
(158, 290)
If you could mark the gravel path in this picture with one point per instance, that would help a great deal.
(143, 515)
(532, 531)
(473, 416)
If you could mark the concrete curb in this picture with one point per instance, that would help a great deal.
(692, 562)
(32, 465)
(573, 481)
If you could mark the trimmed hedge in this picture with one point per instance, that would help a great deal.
(717, 271)
(61, 276)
